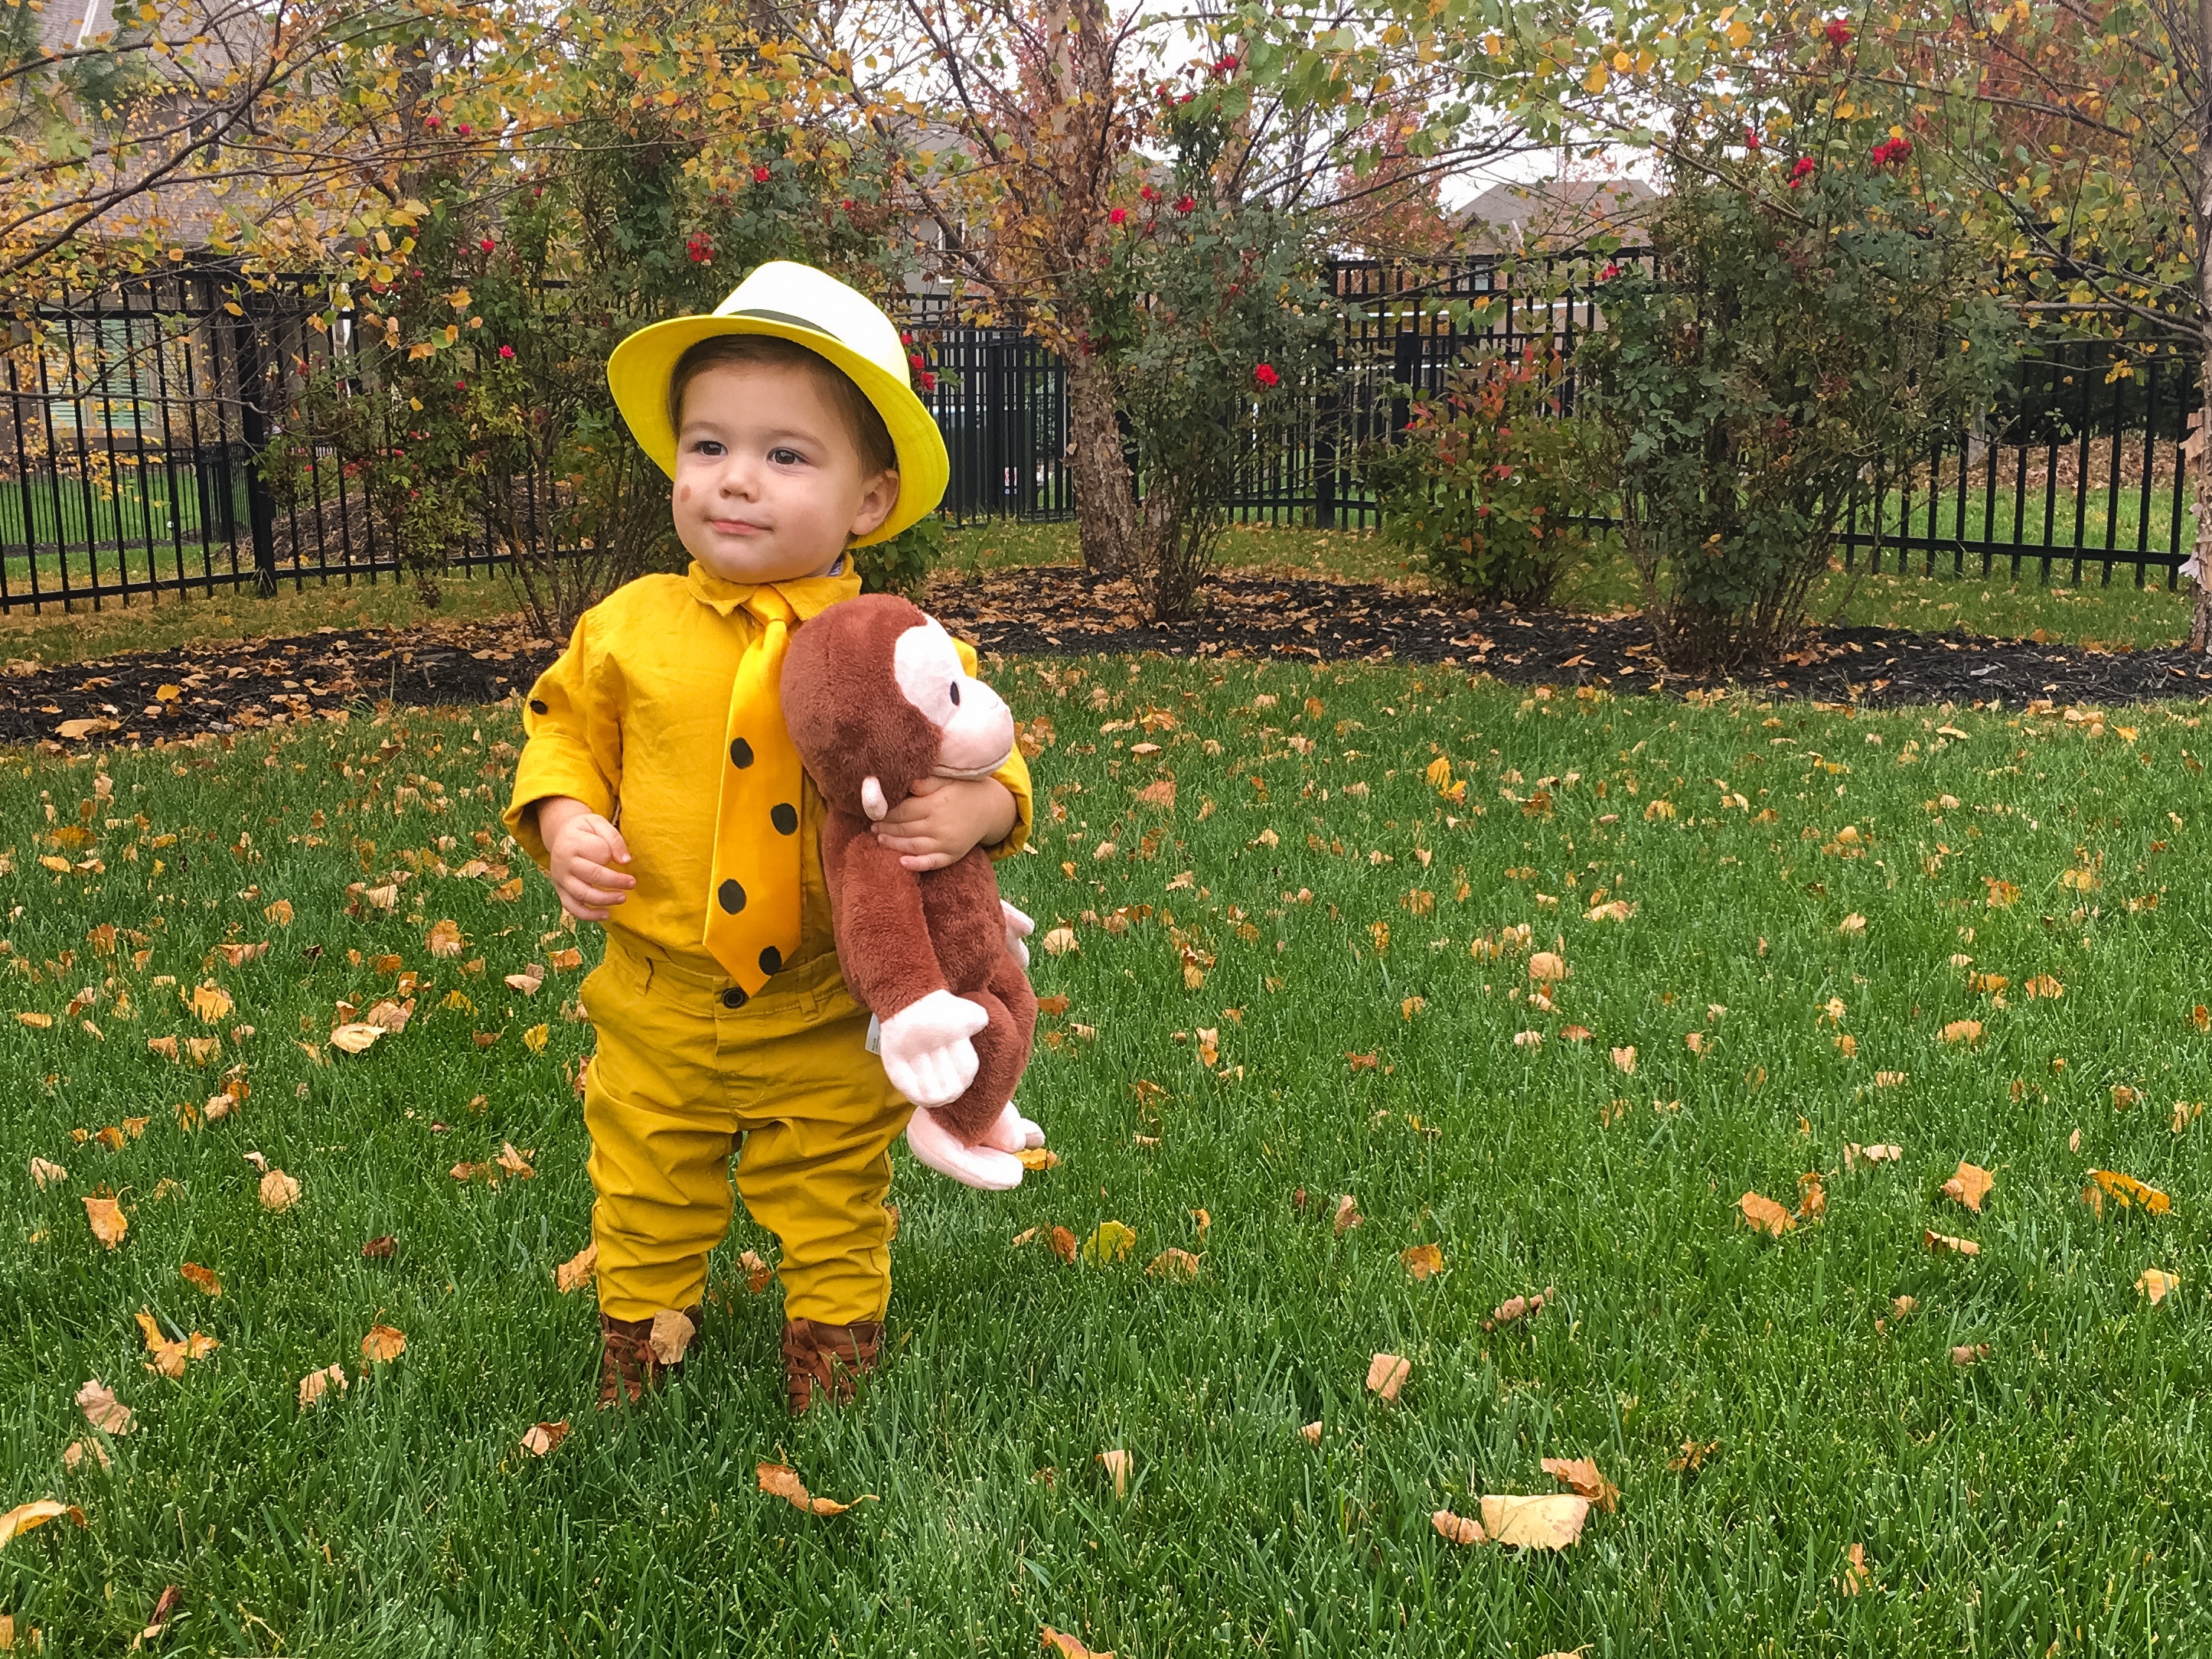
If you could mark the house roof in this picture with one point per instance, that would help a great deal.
(1554, 214)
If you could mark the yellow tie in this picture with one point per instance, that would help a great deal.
(752, 905)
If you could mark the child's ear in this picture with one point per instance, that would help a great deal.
(875, 505)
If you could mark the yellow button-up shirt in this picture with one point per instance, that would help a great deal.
(631, 722)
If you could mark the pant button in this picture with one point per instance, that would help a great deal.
(734, 997)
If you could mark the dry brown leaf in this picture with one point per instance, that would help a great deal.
(757, 1272)
(314, 1384)
(1387, 1374)
(389, 1015)
(1879, 1153)
(203, 1280)
(2042, 985)
(1118, 1466)
(107, 1221)
(1347, 1214)
(1580, 1475)
(380, 1249)
(1063, 1244)
(383, 1345)
(1812, 1196)
(46, 1174)
(1517, 1306)
(1856, 1576)
(1547, 965)
(1310, 1433)
(671, 1334)
(1764, 1215)
(1457, 1529)
(279, 1191)
(103, 1410)
(444, 938)
(1969, 1353)
(1963, 1030)
(577, 1270)
(1423, 1260)
(515, 1164)
(1059, 941)
(1067, 1647)
(356, 1036)
(77, 1452)
(2156, 1283)
(211, 1003)
(528, 981)
(540, 1438)
(1034, 1158)
(279, 912)
(1173, 1263)
(779, 1480)
(1942, 1242)
(1624, 1060)
(1970, 1186)
(1535, 1523)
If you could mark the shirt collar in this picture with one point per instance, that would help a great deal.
(808, 596)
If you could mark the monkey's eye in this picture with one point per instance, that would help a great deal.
(955, 689)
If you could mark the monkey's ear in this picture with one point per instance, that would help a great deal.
(871, 801)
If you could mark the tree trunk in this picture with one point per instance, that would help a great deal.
(2200, 626)
(1105, 494)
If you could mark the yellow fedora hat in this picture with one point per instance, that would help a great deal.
(812, 308)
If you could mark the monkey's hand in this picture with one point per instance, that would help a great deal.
(1018, 928)
(1012, 1132)
(984, 1166)
(927, 1055)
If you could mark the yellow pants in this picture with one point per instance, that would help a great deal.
(681, 1080)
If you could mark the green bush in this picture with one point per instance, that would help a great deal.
(1482, 489)
(1807, 326)
(902, 564)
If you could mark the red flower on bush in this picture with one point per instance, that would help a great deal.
(917, 360)
(1117, 215)
(1888, 151)
(1751, 137)
(463, 129)
(431, 122)
(1185, 203)
(1805, 168)
(1609, 273)
(760, 175)
(1228, 64)
(701, 249)
(507, 353)
(460, 385)
(905, 339)
(1266, 375)
(929, 379)
(1147, 193)
(846, 205)
(485, 246)
(1839, 32)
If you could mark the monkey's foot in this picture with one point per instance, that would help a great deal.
(991, 1169)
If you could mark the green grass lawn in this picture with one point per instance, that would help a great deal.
(1311, 901)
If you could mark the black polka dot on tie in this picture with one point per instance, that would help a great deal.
(537, 706)
(771, 960)
(731, 895)
(785, 817)
(741, 752)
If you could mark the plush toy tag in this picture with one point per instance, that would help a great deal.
(874, 1045)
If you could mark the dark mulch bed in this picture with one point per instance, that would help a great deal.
(1058, 610)
(144, 698)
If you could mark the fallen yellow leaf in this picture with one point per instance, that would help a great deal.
(200, 1278)
(1109, 1241)
(1580, 1475)
(170, 1357)
(1940, 1242)
(671, 1336)
(354, 1038)
(1387, 1374)
(279, 1191)
(578, 1270)
(1457, 1529)
(1423, 1260)
(313, 1385)
(2125, 1189)
(779, 1480)
(37, 1513)
(540, 1438)
(2156, 1284)
(103, 1410)
(107, 1220)
(383, 1345)
(1536, 1523)
(1970, 1186)
(1173, 1263)
(1118, 1464)
(1764, 1215)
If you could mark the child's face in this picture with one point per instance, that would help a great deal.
(768, 482)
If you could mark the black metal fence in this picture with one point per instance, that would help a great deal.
(132, 420)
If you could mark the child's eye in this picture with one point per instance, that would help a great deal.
(785, 457)
(707, 446)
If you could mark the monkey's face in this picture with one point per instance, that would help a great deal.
(977, 727)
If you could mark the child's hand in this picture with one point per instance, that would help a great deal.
(581, 847)
(946, 819)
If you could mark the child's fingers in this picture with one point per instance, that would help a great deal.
(618, 849)
(913, 842)
(928, 860)
(599, 875)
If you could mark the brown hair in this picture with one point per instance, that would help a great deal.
(862, 423)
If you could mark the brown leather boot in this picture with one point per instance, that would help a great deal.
(825, 1357)
(628, 1365)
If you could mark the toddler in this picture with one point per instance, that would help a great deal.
(791, 436)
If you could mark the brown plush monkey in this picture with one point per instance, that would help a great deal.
(877, 698)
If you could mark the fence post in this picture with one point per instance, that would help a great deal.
(1404, 364)
(253, 425)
